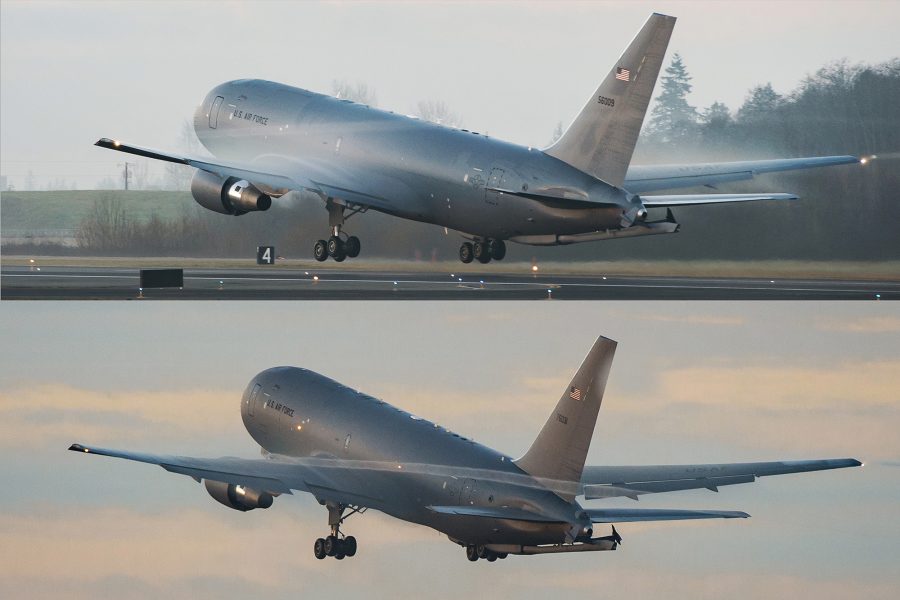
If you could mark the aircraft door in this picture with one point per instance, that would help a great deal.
(214, 112)
(496, 180)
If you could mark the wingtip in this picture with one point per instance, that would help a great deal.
(78, 448)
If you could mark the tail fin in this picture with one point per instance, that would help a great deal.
(601, 140)
(560, 449)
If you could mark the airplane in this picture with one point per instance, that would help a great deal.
(353, 452)
(268, 139)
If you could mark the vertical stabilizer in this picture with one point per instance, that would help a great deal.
(601, 140)
(560, 449)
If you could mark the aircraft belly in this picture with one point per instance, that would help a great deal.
(481, 530)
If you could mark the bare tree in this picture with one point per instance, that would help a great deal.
(438, 112)
(358, 92)
(178, 177)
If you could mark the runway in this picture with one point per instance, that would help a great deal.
(116, 283)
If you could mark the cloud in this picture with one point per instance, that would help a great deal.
(861, 325)
(35, 415)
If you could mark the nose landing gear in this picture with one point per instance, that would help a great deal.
(482, 250)
(337, 544)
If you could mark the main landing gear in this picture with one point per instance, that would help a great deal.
(482, 250)
(339, 246)
(337, 544)
(476, 551)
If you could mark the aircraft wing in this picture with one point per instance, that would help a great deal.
(648, 178)
(633, 515)
(326, 479)
(695, 199)
(283, 173)
(631, 482)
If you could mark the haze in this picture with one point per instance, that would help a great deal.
(71, 72)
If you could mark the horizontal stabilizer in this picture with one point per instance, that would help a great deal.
(633, 515)
(698, 199)
(491, 512)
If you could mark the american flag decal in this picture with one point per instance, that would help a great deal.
(575, 393)
(623, 74)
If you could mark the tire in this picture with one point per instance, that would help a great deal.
(335, 246)
(319, 549)
(471, 553)
(482, 551)
(320, 251)
(481, 252)
(497, 249)
(352, 246)
(466, 253)
(331, 545)
(339, 555)
(502, 555)
(340, 256)
(350, 545)
(491, 557)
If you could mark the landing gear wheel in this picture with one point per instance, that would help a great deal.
(466, 253)
(491, 557)
(481, 252)
(319, 549)
(471, 553)
(331, 545)
(352, 246)
(340, 555)
(350, 545)
(497, 249)
(335, 246)
(502, 555)
(320, 251)
(481, 550)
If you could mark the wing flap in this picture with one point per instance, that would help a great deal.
(594, 492)
(634, 515)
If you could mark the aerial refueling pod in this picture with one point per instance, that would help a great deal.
(237, 497)
(231, 196)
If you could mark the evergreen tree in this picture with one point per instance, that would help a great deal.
(716, 125)
(673, 120)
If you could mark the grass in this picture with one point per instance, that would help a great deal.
(66, 209)
(775, 269)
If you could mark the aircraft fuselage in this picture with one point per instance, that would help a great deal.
(298, 413)
(421, 171)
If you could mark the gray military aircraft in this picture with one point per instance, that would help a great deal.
(354, 452)
(269, 139)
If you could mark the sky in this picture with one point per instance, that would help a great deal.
(72, 72)
(692, 382)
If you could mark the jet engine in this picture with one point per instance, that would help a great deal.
(231, 196)
(237, 497)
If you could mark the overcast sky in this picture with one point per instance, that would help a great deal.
(691, 382)
(71, 72)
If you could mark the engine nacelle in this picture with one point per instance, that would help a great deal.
(237, 497)
(230, 196)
